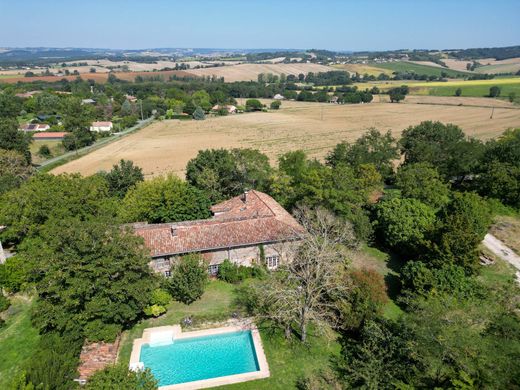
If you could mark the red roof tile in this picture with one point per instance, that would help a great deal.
(240, 221)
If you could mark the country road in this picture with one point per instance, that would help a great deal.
(501, 250)
(102, 142)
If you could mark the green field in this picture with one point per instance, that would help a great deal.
(470, 88)
(403, 66)
(18, 339)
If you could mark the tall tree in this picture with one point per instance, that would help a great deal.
(371, 148)
(14, 170)
(92, 279)
(164, 199)
(422, 182)
(13, 139)
(123, 177)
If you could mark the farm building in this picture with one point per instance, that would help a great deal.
(229, 108)
(247, 230)
(48, 136)
(278, 97)
(101, 126)
(27, 95)
(88, 101)
(35, 127)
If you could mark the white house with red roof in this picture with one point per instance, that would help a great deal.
(101, 126)
(248, 229)
(35, 127)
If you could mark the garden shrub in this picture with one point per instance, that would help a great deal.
(189, 278)
(97, 330)
(233, 273)
(4, 302)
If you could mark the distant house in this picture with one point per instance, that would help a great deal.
(334, 99)
(88, 101)
(130, 98)
(278, 97)
(50, 136)
(229, 108)
(27, 95)
(35, 127)
(101, 126)
(248, 229)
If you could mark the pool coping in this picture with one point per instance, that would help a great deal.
(176, 332)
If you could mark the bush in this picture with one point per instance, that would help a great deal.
(494, 91)
(120, 377)
(97, 330)
(254, 105)
(4, 302)
(198, 114)
(44, 151)
(276, 105)
(160, 299)
(234, 273)
(14, 274)
(189, 278)
(53, 365)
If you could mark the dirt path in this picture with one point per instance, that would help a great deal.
(505, 253)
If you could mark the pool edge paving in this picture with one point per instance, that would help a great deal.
(156, 335)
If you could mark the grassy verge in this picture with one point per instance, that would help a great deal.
(507, 230)
(17, 339)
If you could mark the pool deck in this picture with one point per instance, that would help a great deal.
(163, 333)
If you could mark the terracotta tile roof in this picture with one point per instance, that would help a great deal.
(252, 219)
(96, 356)
(50, 134)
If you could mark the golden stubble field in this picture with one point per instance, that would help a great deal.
(168, 145)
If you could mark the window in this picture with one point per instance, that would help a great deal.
(272, 261)
(167, 273)
(213, 269)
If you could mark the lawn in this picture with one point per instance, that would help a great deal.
(288, 360)
(17, 339)
(403, 66)
(216, 304)
(56, 148)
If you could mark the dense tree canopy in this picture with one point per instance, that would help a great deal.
(371, 148)
(222, 173)
(92, 279)
(164, 199)
(445, 147)
(422, 182)
(26, 209)
(404, 224)
(123, 177)
(13, 139)
(14, 170)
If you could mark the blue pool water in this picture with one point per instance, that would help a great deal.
(199, 358)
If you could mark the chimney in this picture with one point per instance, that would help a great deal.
(244, 196)
(174, 231)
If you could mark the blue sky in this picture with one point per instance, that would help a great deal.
(326, 24)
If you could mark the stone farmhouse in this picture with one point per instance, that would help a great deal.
(249, 229)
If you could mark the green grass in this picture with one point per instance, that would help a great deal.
(403, 66)
(217, 303)
(469, 90)
(290, 360)
(55, 146)
(387, 265)
(18, 339)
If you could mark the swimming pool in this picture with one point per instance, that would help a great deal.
(197, 358)
(200, 359)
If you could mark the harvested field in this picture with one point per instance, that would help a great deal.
(168, 145)
(248, 72)
(98, 77)
(372, 70)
